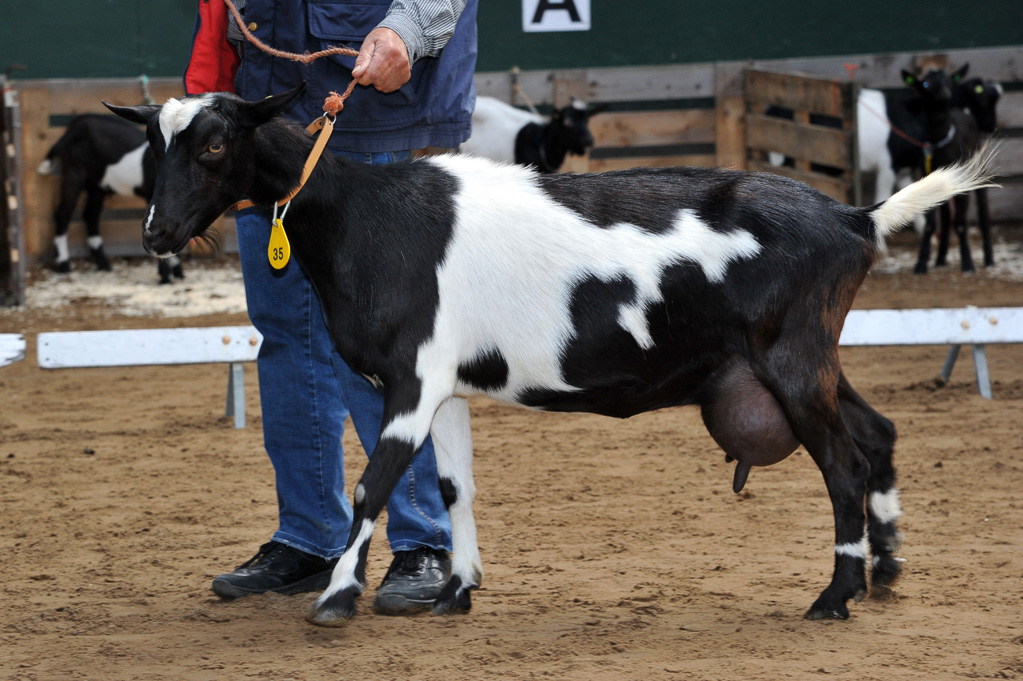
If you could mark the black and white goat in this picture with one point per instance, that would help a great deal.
(612, 293)
(503, 133)
(99, 155)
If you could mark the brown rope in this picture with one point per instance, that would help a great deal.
(304, 58)
(335, 102)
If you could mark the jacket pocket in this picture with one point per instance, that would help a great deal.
(347, 21)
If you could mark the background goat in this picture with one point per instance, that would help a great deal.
(951, 135)
(612, 293)
(99, 155)
(502, 132)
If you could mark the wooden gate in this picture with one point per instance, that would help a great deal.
(809, 121)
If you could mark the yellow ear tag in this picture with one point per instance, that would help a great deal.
(279, 250)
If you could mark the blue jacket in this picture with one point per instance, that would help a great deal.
(433, 109)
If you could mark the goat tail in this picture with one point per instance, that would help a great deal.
(931, 191)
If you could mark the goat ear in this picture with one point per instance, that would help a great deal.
(262, 111)
(961, 73)
(594, 110)
(136, 114)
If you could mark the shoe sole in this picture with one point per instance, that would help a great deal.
(225, 589)
(396, 604)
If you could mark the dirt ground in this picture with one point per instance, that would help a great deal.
(612, 549)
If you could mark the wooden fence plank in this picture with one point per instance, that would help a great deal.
(798, 92)
(654, 128)
(814, 143)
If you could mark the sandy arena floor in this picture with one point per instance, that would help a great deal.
(613, 549)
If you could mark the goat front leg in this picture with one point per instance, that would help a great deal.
(925, 243)
(945, 227)
(452, 443)
(962, 204)
(984, 222)
(402, 433)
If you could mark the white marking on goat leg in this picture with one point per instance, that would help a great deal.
(343, 575)
(857, 550)
(60, 242)
(95, 242)
(149, 216)
(885, 505)
(360, 493)
(176, 115)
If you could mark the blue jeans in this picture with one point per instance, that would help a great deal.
(306, 391)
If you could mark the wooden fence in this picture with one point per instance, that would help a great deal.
(691, 114)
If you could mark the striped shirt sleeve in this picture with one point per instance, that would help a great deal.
(424, 25)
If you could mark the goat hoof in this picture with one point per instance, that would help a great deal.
(64, 267)
(178, 272)
(453, 598)
(335, 610)
(165, 280)
(920, 269)
(827, 613)
(830, 606)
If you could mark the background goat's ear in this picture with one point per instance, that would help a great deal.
(262, 111)
(961, 73)
(136, 114)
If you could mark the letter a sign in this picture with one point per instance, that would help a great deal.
(555, 15)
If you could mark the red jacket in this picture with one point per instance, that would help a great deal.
(213, 62)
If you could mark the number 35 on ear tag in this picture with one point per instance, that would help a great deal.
(279, 251)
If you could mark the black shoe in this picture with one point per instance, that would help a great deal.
(278, 568)
(413, 581)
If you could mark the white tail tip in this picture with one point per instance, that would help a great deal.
(933, 190)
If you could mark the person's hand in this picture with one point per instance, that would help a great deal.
(383, 61)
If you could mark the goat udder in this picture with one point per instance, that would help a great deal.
(747, 422)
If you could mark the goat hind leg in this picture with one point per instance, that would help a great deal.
(452, 443)
(875, 436)
(809, 398)
(93, 208)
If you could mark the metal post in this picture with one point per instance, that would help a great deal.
(980, 367)
(950, 362)
(236, 393)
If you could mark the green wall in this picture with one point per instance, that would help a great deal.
(126, 38)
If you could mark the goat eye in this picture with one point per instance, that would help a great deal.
(215, 148)
(979, 89)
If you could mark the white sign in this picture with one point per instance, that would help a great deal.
(555, 15)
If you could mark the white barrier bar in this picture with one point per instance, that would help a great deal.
(12, 348)
(972, 326)
(139, 347)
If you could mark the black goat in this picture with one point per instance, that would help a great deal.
(979, 98)
(501, 132)
(951, 136)
(99, 154)
(613, 293)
